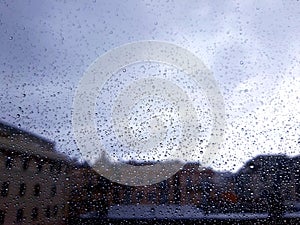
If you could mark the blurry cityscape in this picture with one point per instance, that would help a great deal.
(39, 185)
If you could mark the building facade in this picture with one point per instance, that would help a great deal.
(191, 186)
(34, 179)
(268, 178)
(88, 193)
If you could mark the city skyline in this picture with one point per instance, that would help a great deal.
(253, 55)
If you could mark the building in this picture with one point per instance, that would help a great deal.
(88, 193)
(192, 187)
(189, 186)
(34, 179)
(266, 177)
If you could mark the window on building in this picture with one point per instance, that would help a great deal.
(128, 196)
(55, 210)
(37, 190)
(34, 213)
(58, 167)
(53, 190)
(20, 215)
(9, 162)
(39, 165)
(5, 189)
(22, 189)
(152, 197)
(177, 191)
(189, 182)
(2, 217)
(116, 197)
(163, 195)
(51, 167)
(26, 161)
(139, 196)
(48, 212)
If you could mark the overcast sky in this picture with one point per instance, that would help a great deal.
(252, 48)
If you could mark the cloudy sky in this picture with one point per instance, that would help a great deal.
(252, 48)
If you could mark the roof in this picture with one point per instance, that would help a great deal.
(13, 139)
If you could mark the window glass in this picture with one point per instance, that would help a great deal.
(36, 190)
(150, 111)
(5, 189)
(34, 213)
(22, 189)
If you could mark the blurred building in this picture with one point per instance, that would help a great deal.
(88, 193)
(33, 180)
(261, 182)
(189, 186)
(194, 187)
(266, 177)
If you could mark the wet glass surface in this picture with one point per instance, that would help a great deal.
(150, 112)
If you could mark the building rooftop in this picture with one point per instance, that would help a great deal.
(16, 140)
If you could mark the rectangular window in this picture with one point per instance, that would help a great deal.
(128, 196)
(152, 197)
(2, 217)
(37, 189)
(34, 213)
(9, 162)
(164, 190)
(51, 167)
(20, 215)
(58, 167)
(189, 182)
(26, 161)
(139, 197)
(163, 197)
(39, 165)
(116, 197)
(5, 189)
(22, 189)
(53, 190)
(47, 212)
(55, 210)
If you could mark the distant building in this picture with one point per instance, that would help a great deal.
(265, 175)
(189, 186)
(295, 167)
(88, 193)
(34, 179)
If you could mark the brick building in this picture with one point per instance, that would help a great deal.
(266, 176)
(191, 186)
(184, 188)
(88, 193)
(33, 180)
